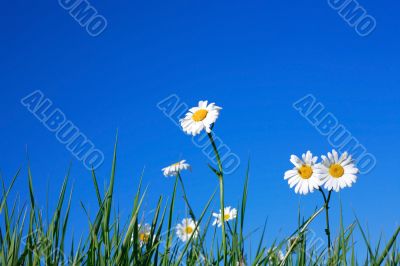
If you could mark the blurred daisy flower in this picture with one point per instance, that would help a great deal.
(275, 255)
(241, 262)
(200, 117)
(337, 172)
(143, 234)
(175, 168)
(229, 214)
(303, 175)
(186, 229)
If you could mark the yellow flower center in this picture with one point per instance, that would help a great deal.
(336, 170)
(188, 230)
(199, 115)
(144, 237)
(226, 216)
(305, 171)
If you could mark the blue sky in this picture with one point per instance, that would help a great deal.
(253, 59)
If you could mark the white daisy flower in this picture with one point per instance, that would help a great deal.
(303, 175)
(143, 234)
(199, 118)
(175, 168)
(275, 255)
(337, 172)
(229, 214)
(186, 229)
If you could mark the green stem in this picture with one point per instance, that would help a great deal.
(221, 195)
(327, 230)
(165, 260)
(191, 213)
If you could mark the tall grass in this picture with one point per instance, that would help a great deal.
(28, 238)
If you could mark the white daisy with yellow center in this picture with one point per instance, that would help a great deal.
(186, 229)
(200, 118)
(229, 214)
(337, 172)
(144, 232)
(303, 175)
(175, 168)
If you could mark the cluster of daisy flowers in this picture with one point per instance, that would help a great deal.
(188, 226)
(333, 173)
(199, 118)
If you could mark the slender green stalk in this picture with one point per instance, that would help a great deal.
(169, 229)
(221, 195)
(326, 207)
(185, 198)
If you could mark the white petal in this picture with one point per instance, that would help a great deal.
(296, 161)
(335, 156)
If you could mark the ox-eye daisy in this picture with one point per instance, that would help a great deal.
(175, 168)
(186, 229)
(143, 234)
(337, 172)
(200, 117)
(303, 175)
(229, 214)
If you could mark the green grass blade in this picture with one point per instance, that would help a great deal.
(388, 247)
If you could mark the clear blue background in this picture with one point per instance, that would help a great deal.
(253, 59)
